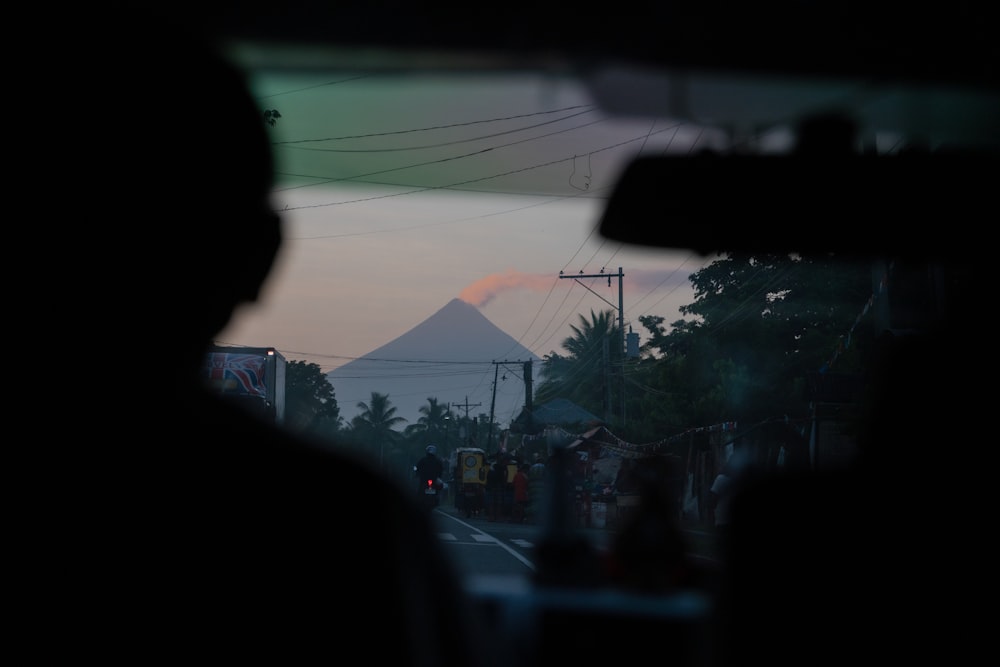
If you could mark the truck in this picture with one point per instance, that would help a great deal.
(251, 377)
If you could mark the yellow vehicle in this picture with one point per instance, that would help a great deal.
(470, 480)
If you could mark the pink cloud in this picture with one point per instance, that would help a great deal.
(486, 289)
(639, 281)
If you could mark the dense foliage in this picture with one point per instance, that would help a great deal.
(759, 327)
(310, 401)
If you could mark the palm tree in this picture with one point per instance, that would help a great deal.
(433, 424)
(583, 375)
(377, 419)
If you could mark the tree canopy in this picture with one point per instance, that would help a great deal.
(376, 423)
(758, 327)
(584, 376)
(310, 401)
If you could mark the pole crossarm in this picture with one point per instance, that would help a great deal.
(620, 308)
(465, 406)
(493, 403)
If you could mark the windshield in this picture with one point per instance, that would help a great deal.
(598, 378)
(442, 257)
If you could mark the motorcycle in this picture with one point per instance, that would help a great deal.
(430, 492)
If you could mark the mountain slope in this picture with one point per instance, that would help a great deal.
(449, 356)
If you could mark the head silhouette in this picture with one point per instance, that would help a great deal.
(189, 234)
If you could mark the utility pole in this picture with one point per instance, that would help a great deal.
(466, 407)
(493, 403)
(447, 426)
(621, 317)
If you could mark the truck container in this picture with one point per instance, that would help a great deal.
(251, 377)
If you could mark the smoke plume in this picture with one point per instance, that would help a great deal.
(639, 281)
(486, 289)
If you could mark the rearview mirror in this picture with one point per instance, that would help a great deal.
(915, 205)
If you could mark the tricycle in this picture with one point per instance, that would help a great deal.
(470, 480)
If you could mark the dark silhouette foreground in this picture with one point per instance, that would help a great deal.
(181, 528)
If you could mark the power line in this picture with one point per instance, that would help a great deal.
(587, 109)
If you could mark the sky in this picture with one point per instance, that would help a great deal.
(339, 294)
(398, 194)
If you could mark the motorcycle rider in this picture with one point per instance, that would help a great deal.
(429, 467)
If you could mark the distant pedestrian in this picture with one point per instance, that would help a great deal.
(536, 488)
(537, 470)
(496, 485)
(519, 511)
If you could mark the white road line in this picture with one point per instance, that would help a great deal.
(482, 538)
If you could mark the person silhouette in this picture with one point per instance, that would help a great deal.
(429, 467)
(185, 527)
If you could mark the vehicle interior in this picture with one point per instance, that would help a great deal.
(827, 131)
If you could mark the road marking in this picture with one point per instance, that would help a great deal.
(483, 537)
(524, 544)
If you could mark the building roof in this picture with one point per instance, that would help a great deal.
(558, 412)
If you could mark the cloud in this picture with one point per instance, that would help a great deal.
(486, 289)
(639, 281)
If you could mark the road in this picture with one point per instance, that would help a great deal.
(483, 549)
(550, 624)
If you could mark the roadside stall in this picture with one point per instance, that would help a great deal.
(589, 500)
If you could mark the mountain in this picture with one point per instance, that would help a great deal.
(449, 356)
